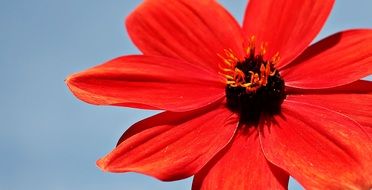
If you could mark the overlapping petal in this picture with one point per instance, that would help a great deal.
(191, 30)
(148, 82)
(357, 87)
(354, 100)
(287, 26)
(172, 146)
(241, 166)
(319, 147)
(340, 59)
(356, 106)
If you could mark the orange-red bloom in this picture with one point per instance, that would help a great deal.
(245, 107)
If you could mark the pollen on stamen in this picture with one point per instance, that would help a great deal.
(253, 85)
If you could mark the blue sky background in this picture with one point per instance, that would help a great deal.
(48, 139)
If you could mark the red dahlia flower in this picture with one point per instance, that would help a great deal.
(245, 107)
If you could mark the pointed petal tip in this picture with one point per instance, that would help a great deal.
(78, 92)
(70, 79)
(70, 83)
(67, 79)
(102, 163)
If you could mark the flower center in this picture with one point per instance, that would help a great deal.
(253, 85)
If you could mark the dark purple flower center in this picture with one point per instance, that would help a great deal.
(254, 86)
(250, 104)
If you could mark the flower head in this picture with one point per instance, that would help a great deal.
(245, 107)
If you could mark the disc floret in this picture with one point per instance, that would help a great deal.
(253, 85)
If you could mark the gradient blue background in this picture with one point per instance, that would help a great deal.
(49, 140)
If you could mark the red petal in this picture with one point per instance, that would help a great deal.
(288, 26)
(191, 30)
(319, 147)
(241, 166)
(357, 87)
(353, 100)
(356, 106)
(172, 146)
(148, 82)
(337, 60)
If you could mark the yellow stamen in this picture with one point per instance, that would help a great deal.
(263, 49)
(235, 77)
